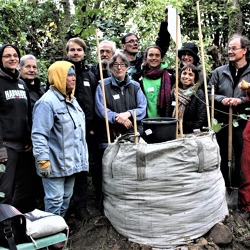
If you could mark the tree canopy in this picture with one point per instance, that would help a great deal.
(42, 27)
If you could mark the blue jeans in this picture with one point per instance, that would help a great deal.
(58, 192)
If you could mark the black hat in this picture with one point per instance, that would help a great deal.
(190, 47)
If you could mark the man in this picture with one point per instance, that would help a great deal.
(130, 46)
(107, 50)
(227, 93)
(84, 93)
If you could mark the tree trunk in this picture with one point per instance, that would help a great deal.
(235, 17)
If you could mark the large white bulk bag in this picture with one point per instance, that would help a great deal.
(164, 194)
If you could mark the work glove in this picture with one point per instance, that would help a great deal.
(45, 168)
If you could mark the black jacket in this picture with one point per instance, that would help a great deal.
(15, 112)
(224, 86)
(86, 84)
(96, 71)
(36, 90)
(195, 115)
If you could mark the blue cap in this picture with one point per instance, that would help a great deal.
(71, 71)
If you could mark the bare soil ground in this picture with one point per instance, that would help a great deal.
(99, 234)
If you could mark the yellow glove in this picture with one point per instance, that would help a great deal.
(45, 168)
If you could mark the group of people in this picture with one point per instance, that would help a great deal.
(63, 131)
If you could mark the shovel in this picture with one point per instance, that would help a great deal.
(232, 193)
(230, 149)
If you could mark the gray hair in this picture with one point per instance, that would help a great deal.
(23, 59)
(115, 56)
(111, 43)
(245, 43)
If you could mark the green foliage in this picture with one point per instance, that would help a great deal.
(192, 92)
(235, 123)
(244, 116)
(43, 27)
(216, 127)
(2, 168)
(34, 27)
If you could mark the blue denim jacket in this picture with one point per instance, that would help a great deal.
(58, 134)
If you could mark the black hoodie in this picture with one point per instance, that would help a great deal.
(15, 115)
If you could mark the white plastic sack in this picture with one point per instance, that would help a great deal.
(164, 194)
(40, 224)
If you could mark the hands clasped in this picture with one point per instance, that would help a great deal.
(231, 101)
(123, 118)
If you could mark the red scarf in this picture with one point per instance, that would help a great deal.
(165, 89)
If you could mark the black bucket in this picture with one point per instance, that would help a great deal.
(159, 129)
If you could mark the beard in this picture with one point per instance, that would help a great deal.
(104, 64)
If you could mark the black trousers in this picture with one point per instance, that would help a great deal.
(80, 193)
(80, 190)
(28, 191)
(96, 173)
(20, 183)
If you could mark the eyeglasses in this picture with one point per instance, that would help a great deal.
(122, 65)
(9, 56)
(233, 48)
(133, 41)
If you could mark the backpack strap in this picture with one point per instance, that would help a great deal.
(7, 212)
(9, 236)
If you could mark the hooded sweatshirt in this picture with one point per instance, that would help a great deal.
(14, 108)
(58, 131)
(57, 76)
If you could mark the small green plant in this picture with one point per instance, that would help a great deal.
(216, 126)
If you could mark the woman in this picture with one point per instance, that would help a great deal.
(123, 95)
(15, 118)
(28, 69)
(156, 82)
(191, 102)
(58, 136)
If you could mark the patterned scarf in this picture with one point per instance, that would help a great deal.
(165, 89)
(183, 100)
